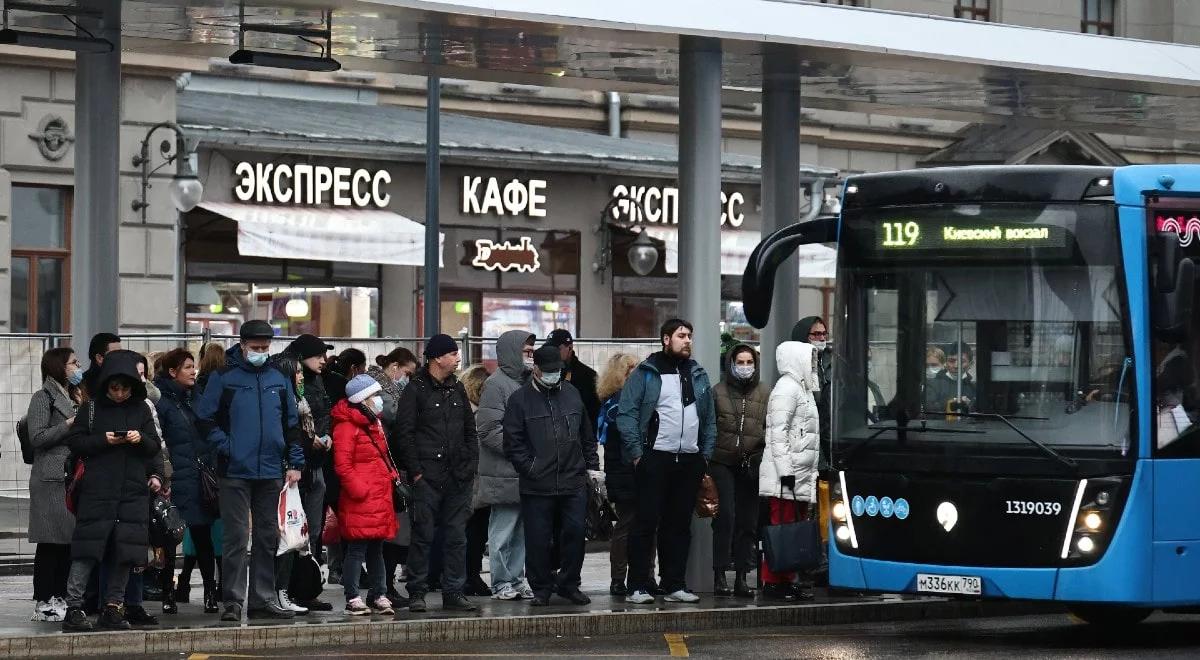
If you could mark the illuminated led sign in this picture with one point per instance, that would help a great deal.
(914, 235)
(311, 185)
(522, 257)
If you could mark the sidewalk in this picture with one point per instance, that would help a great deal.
(192, 630)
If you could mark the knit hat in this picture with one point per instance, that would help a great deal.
(362, 387)
(560, 337)
(306, 346)
(439, 345)
(257, 329)
(548, 359)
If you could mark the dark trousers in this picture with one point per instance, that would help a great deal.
(477, 537)
(243, 500)
(734, 533)
(540, 513)
(447, 510)
(666, 500)
(166, 576)
(51, 566)
(393, 556)
(206, 557)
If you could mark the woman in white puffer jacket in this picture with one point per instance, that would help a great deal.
(788, 473)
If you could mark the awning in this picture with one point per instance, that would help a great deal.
(327, 234)
(816, 260)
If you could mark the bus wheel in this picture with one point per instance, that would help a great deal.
(1110, 615)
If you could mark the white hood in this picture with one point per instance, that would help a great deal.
(798, 360)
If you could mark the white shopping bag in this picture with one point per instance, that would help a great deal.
(293, 525)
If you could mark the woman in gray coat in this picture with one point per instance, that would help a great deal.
(51, 412)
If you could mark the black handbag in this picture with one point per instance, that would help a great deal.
(306, 581)
(210, 489)
(794, 546)
(166, 523)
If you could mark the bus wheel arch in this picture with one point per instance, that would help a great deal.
(1109, 615)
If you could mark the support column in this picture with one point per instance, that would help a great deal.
(700, 234)
(780, 188)
(433, 191)
(96, 282)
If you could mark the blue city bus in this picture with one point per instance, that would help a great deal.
(1015, 404)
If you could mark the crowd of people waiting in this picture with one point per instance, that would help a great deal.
(404, 464)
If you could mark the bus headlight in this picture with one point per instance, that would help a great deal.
(1092, 521)
(1085, 544)
(839, 511)
(843, 533)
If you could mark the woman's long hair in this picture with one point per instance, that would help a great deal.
(616, 370)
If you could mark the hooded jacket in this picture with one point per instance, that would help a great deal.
(824, 378)
(114, 500)
(793, 438)
(435, 431)
(251, 420)
(360, 457)
(637, 414)
(741, 416)
(548, 440)
(498, 482)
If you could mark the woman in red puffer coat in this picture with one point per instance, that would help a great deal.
(366, 516)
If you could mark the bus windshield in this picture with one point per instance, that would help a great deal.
(982, 330)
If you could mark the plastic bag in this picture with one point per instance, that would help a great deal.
(293, 525)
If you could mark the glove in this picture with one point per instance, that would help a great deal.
(788, 482)
(597, 479)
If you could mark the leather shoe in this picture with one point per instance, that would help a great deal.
(416, 603)
(740, 588)
(232, 613)
(617, 588)
(540, 601)
(720, 586)
(576, 596)
(316, 605)
(271, 611)
(779, 592)
(137, 615)
(457, 603)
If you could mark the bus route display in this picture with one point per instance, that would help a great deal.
(945, 234)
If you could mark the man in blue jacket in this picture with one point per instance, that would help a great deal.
(668, 426)
(253, 427)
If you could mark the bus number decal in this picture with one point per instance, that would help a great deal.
(1026, 508)
(901, 234)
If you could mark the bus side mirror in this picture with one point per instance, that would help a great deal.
(1167, 255)
(1172, 310)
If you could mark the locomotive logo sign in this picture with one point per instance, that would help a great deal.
(522, 257)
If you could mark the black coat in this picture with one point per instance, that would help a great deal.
(584, 379)
(186, 445)
(548, 439)
(435, 432)
(618, 477)
(113, 497)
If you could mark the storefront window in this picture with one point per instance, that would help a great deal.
(341, 311)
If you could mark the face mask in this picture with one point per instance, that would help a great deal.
(75, 377)
(402, 381)
(743, 371)
(819, 345)
(551, 379)
(256, 359)
(377, 404)
(933, 371)
(528, 363)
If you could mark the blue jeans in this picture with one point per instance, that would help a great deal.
(356, 553)
(506, 542)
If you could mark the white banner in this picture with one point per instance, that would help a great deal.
(817, 260)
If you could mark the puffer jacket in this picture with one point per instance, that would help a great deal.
(498, 483)
(793, 426)
(548, 440)
(360, 457)
(114, 501)
(741, 417)
(251, 420)
(186, 446)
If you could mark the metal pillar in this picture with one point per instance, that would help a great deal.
(433, 191)
(96, 282)
(780, 187)
(700, 234)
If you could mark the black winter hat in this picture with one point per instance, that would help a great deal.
(257, 329)
(548, 359)
(560, 337)
(439, 345)
(306, 346)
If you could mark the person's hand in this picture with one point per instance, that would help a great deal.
(788, 482)
(597, 479)
(154, 484)
(133, 437)
(323, 442)
(636, 461)
(416, 477)
(293, 477)
(70, 420)
(114, 439)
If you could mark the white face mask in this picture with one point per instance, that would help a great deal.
(819, 345)
(743, 371)
(551, 379)
(528, 363)
(376, 404)
(933, 371)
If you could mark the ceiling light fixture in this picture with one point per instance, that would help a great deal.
(89, 43)
(277, 60)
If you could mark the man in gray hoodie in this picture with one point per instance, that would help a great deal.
(498, 482)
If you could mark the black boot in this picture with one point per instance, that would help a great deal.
(135, 615)
(113, 618)
(720, 586)
(210, 601)
(740, 588)
(617, 588)
(457, 603)
(76, 620)
(183, 591)
(779, 593)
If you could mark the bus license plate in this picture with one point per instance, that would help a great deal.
(949, 584)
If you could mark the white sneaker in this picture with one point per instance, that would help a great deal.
(506, 592)
(60, 607)
(682, 596)
(639, 597)
(287, 604)
(525, 590)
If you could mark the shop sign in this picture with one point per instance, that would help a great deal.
(488, 195)
(661, 205)
(522, 257)
(311, 185)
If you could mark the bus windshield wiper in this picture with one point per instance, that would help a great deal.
(1066, 461)
(901, 429)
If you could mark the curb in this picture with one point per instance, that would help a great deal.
(267, 638)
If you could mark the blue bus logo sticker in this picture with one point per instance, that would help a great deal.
(885, 507)
(901, 508)
(858, 506)
(872, 506)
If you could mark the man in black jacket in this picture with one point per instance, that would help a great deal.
(435, 431)
(577, 373)
(552, 446)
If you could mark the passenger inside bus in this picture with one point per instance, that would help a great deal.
(953, 389)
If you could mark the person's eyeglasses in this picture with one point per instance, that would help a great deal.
(818, 334)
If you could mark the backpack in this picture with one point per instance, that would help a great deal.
(608, 415)
(23, 436)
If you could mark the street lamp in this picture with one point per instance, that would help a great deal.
(642, 255)
(186, 189)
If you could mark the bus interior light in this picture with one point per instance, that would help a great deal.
(1085, 544)
(1092, 521)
